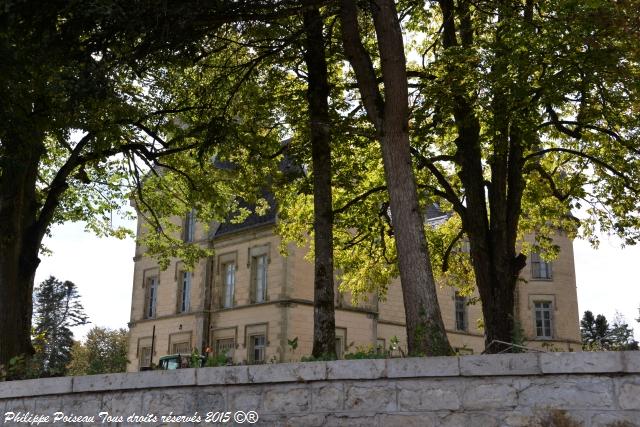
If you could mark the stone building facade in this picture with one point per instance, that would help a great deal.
(248, 301)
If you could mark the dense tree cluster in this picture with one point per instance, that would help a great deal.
(104, 351)
(509, 115)
(598, 335)
(57, 309)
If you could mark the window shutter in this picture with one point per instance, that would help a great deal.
(179, 293)
(147, 286)
(254, 281)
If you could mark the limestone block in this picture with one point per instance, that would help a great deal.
(313, 420)
(485, 396)
(356, 369)
(146, 380)
(349, 420)
(500, 364)
(288, 372)
(631, 361)
(408, 420)
(222, 375)
(123, 403)
(628, 392)
(180, 401)
(18, 405)
(48, 404)
(569, 393)
(547, 416)
(244, 398)
(518, 418)
(584, 362)
(82, 404)
(423, 367)
(370, 397)
(37, 387)
(327, 397)
(616, 419)
(469, 419)
(430, 396)
(286, 400)
(210, 399)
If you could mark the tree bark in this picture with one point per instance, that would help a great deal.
(425, 329)
(19, 242)
(491, 225)
(324, 330)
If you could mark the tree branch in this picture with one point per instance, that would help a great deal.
(628, 182)
(447, 252)
(359, 198)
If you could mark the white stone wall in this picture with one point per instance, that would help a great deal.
(595, 389)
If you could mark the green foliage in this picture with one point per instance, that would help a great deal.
(20, 367)
(56, 310)
(104, 351)
(598, 335)
(216, 360)
(195, 361)
(366, 352)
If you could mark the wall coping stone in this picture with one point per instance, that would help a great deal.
(588, 362)
(524, 364)
(37, 387)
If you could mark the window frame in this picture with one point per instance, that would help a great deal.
(341, 342)
(230, 350)
(184, 292)
(259, 297)
(542, 310)
(537, 264)
(174, 346)
(189, 234)
(142, 362)
(461, 308)
(228, 287)
(252, 348)
(151, 297)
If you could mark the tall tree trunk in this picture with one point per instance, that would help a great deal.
(491, 225)
(425, 328)
(324, 325)
(19, 242)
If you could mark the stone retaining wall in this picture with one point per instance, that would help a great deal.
(595, 389)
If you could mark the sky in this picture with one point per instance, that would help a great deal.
(102, 268)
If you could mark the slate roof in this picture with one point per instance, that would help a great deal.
(253, 220)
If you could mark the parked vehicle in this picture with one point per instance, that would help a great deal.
(178, 361)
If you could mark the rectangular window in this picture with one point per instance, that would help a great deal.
(145, 357)
(184, 292)
(341, 339)
(225, 346)
(229, 282)
(151, 298)
(461, 313)
(190, 226)
(257, 347)
(540, 269)
(543, 319)
(181, 348)
(259, 274)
